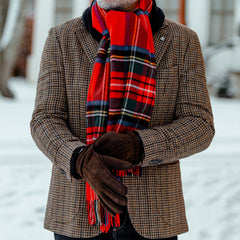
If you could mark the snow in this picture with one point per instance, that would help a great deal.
(210, 179)
(24, 171)
(9, 28)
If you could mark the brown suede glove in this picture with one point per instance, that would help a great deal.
(96, 170)
(126, 146)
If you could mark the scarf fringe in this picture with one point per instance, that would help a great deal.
(97, 215)
(91, 203)
(135, 171)
(113, 86)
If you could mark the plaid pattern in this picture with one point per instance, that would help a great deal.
(181, 125)
(122, 89)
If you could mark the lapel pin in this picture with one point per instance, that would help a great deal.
(162, 39)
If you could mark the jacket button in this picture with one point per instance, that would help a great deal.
(62, 171)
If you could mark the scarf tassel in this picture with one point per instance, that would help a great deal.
(107, 91)
(132, 172)
(97, 215)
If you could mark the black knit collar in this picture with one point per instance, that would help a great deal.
(156, 19)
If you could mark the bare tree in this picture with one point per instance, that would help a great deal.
(12, 20)
(3, 14)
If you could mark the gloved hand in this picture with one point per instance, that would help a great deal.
(96, 170)
(125, 146)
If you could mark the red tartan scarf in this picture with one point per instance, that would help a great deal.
(121, 93)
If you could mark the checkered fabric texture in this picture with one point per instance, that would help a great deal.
(181, 125)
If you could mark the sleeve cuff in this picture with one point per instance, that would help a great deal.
(141, 147)
(74, 158)
(153, 145)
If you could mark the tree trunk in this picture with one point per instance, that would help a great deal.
(9, 53)
(182, 10)
(4, 76)
(3, 14)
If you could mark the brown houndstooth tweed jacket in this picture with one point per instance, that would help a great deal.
(181, 125)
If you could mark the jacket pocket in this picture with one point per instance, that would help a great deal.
(64, 198)
(173, 208)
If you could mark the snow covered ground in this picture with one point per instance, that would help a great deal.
(211, 180)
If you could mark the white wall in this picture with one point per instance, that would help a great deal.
(44, 20)
(236, 53)
(231, 62)
(79, 7)
(237, 16)
(198, 18)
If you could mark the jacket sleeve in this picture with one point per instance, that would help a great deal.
(192, 129)
(49, 124)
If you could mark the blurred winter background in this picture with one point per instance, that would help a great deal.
(211, 180)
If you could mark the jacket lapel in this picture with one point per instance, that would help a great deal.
(161, 41)
(90, 45)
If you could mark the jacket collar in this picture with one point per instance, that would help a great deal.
(90, 45)
(156, 20)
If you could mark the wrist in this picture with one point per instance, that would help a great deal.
(74, 159)
(141, 153)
